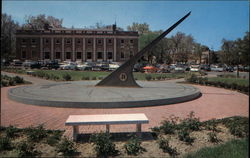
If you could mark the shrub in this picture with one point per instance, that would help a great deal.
(213, 137)
(18, 79)
(238, 126)
(155, 131)
(87, 78)
(191, 78)
(183, 135)
(25, 149)
(168, 127)
(54, 138)
(12, 82)
(158, 77)
(94, 78)
(66, 77)
(54, 77)
(11, 131)
(36, 134)
(5, 143)
(66, 147)
(103, 145)
(191, 123)
(148, 77)
(4, 83)
(211, 125)
(133, 146)
(233, 86)
(164, 145)
(47, 76)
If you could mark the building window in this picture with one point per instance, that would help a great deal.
(110, 55)
(23, 54)
(109, 41)
(58, 55)
(131, 54)
(68, 40)
(99, 41)
(78, 55)
(68, 55)
(89, 55)
(46, 41)
(33, 41)
(57, 41)
(89, 41)
(122, 40)
(78, 41)
(131, 41)
(99, 55)
(24, 41)
(33, 53)
(122, 55)
(46, 55)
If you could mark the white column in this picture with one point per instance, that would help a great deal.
(52, 49)
(73, 49)
(94, 50)
(104, 50)
(114, 49)
(41, 48)
(63, 54)
(83, 50)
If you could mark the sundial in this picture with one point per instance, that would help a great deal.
(123, 76)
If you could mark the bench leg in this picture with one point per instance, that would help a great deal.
(138, 130)
(138, 127)
(75, 132)
(107, 128)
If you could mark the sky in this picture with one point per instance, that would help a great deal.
(209, 22)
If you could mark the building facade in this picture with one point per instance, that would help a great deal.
(76, 44)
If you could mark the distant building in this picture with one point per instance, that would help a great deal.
(61, 44)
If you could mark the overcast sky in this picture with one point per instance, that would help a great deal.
(209, 23)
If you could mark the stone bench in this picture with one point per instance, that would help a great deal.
(107, 119)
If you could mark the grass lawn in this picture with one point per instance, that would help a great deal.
(239, 81)
(231, 149)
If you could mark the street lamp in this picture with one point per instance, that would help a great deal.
(239, 54)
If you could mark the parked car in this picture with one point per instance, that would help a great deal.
(68, 66)
(164, 68)
(52, 65)
(195, 68)
(150, 69)
(229, 69)
(217, 68)
(16, 62)
(113, 66)
(179, 68)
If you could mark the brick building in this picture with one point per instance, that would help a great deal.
(76, 44)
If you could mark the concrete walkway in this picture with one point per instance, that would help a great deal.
(214, 103)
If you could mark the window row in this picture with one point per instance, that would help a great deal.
(77, 40)
(78, 55)
(69, 55)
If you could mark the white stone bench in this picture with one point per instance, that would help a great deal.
(107, 119)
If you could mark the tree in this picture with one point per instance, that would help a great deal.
(41, 21)
(183, 46)
(8, 39)
(242, 48)
(228, 54)
(141, 28)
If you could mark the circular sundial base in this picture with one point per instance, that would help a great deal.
(84, 94)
